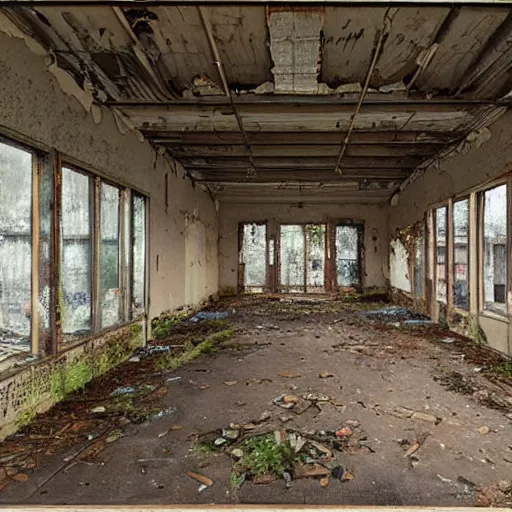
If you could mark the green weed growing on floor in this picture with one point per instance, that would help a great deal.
(207, 346)
(504, 369)
(262, 455)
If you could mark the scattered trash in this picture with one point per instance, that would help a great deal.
(98, 409)
(417, 444)
(237, 453)
(484, 430)
(230, 382)
(134, 359)
(445, 480)
(287, 374)
(315, 397)
(249, 382)
(264, 416)
(447, 340)
(266, 478)
(114, 436)
(200, 478)
(344, 432)
(172, 379)
(287, 478)
(325, 375)
(202, 488)
(126, 390)
(324, 482)
(209, 315)
(286, 401)
(220, 441)
(311, 471)
(425, 417)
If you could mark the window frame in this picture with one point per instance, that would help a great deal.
(452, 256)
(446, 254)
(481, 191)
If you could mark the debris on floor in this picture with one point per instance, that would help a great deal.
(264, 453)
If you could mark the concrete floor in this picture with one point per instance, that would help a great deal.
(377, 368)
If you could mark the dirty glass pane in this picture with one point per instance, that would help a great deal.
(495, 249)
(441, 273)
(418, 267)
(315, 235)
(347, 256)
(292, 245)
(76, 257)
(139, 254)
(109, 256)
(254, 256)
(15, 250)
(461, 254)
(45, 225)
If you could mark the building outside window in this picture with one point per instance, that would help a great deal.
(441, 256)
(494, 272)
(461, 254)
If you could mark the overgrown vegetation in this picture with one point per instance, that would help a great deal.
(191, 352)
(163, 325)
(262, 456)
(504, 369)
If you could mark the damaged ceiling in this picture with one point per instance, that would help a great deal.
(309, 100)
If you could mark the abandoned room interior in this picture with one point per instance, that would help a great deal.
(256, 252)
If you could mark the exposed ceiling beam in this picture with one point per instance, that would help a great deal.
(333, 3)
(299, 150)
(376, 100)
(410, 138)
(377, 51)
(310, 174)
(205, 20)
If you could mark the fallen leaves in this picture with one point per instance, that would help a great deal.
(326, 375)
(230, 382)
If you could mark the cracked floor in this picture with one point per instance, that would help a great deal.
(381, 375)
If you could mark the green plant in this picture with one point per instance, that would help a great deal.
(504, 369)
(25, 418)
(262, 455)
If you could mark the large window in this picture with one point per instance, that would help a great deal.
(419, 262)
(76, 254)
(460, 244)
(138, 254)
(348, 272)
(89, 277)
(495, 249)
(15, 250)
(110, 293)
(441, 256)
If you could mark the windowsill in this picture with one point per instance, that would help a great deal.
(494, 316)
(9, 371)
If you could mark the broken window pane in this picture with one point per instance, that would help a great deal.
(347, 256)
(495, 253)
(76, 247)
(315, 239)
(15, 249)
(461, 253)
(254, 256)
(292, 261)
(138, 255)
(418, 267)
(109, 256)
(441, 259)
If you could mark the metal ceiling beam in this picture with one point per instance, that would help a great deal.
(388, 101)
(222, 74)
(391, 138)
(179, 150)
(373, 63)
(326, 3)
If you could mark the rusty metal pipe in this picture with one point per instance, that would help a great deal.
(225, 85)
(375, 59)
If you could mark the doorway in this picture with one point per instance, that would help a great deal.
(302, 258)
(253, 257)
